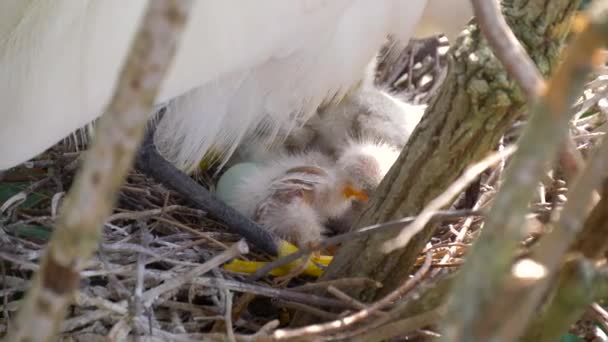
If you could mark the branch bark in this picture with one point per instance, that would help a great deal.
(479, 292)
(96, 186)
(464, 121)
(577, 286)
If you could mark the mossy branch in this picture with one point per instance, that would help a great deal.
(96, 186)
(472, 313)
(464, 121)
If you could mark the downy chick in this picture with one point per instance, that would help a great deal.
(367, 113)
(295, 196)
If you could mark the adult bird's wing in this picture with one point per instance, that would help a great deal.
(241, 64)
(59, 59)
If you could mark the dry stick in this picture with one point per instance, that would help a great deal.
(520, 66)
(247, 288)
(579, 283)
(489, 261)
(394, 313)
(464, 228)
(96, 186)
(589, 242)
(369, 230)
(340, 324)
(343, 282)
(401, 327)
(228, 317)
(140, 215)
(550, 253)
(270, 292)
(445, 198)
(191, 231)
(234, 251)
(601, 312)
(325, 315)
(350, 300)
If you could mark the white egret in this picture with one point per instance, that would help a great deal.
(240, 65)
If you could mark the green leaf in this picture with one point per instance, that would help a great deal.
(571, 338)
(10, 189)
(32, 232)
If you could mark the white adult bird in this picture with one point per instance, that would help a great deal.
(368, 113)
(240, 65)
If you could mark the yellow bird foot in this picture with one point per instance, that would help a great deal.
(315, 267)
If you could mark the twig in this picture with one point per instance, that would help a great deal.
(553, 247)
(270, 292)
(577, 286)
(350, 282)
(97, 184)
(489, 260)
(401, 327)
(592, 241)
(306, 308)
(348, 299)
(357, 234)
(234, 251)
(136, 300)
(140, 215)
(120, 330)
(228, 317)
(191, 231)
(396, 312)
(468, 176)
(601, 313)
(324, 328)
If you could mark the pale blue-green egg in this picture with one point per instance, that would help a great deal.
(229, 180)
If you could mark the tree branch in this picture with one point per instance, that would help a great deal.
(473, 109)
(520, 67)
(489, 262)
(506, 47)
(96, 186)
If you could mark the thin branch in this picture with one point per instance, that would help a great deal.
(489, 261)
(357, 234)
(140, 215)
(234, 251)
(337, 283)
(551, 251)
(592, 242)
(342, 323)
(520, 66)
(578, 285)
(401, 327)
(468, 176)
(96, 186)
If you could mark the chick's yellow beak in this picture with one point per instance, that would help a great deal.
(350, 192)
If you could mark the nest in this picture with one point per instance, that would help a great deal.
(154, 238)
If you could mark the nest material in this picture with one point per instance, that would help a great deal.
(154, 236)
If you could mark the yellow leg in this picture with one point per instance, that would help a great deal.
(315, 267)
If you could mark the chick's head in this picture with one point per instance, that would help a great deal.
(363, 165)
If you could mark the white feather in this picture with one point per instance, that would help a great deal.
(240, 63)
